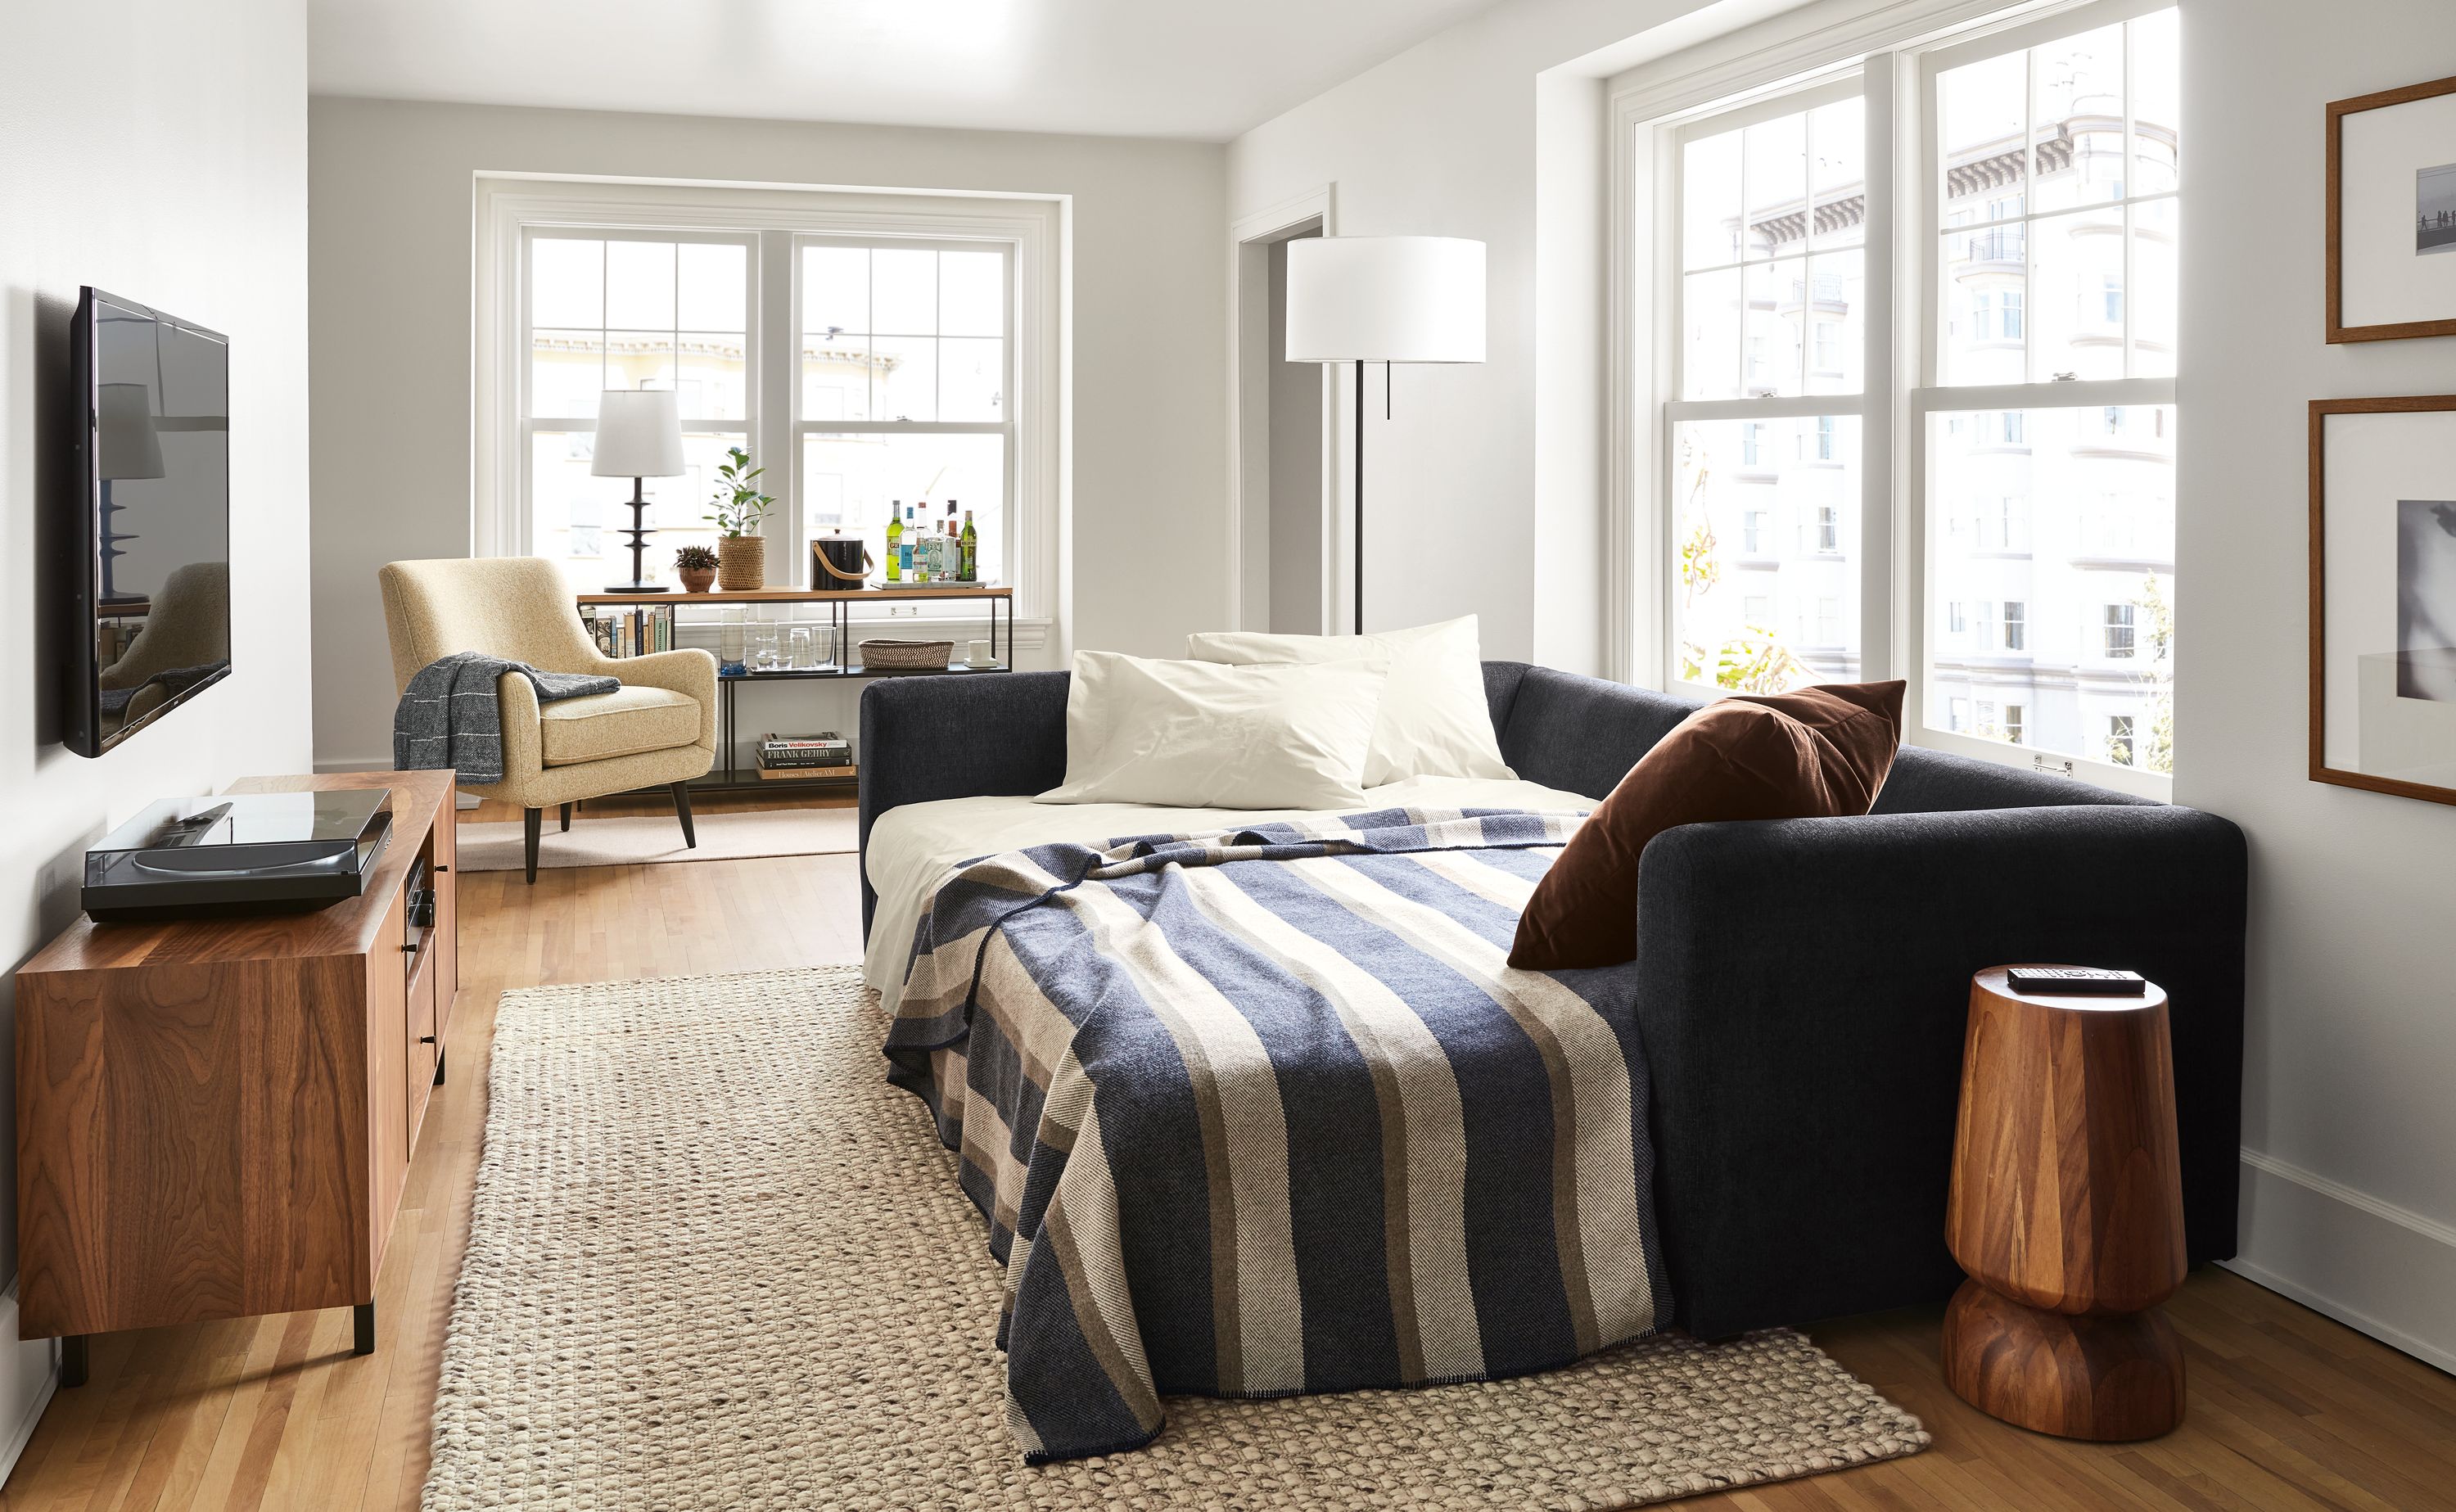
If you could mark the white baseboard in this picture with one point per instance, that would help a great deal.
(2367, 1263)
(29, 1375)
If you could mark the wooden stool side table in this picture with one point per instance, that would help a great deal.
(2067, 1211)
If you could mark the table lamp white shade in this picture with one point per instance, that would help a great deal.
(1385, 300)
(130, 447)
(639, 435)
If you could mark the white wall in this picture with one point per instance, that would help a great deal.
(2350, 1127)
(2350, 1198)
(1484, 491)
(157, 149)
(391, 275)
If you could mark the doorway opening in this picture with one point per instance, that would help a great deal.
(1287, 544)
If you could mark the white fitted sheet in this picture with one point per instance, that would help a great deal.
(914, 844)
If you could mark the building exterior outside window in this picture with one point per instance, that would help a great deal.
(2118, 632)
(2045, 252)
(2059, 171)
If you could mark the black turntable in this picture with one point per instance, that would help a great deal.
(242, 854)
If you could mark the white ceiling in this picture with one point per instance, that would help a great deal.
(1206, 69)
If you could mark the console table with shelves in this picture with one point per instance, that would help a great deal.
(730, 774)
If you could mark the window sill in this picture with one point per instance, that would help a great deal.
(2131, 780)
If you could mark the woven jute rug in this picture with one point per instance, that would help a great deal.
(715, 1261)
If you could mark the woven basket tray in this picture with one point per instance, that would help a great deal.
(907, 656)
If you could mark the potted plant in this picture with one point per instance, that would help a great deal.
(697, 566)
(737, 509)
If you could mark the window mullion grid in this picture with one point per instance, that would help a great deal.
(2126, 167)
(2029, 217)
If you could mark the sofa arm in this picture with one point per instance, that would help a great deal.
(927, 738)
(1803, 991)
(689, 672)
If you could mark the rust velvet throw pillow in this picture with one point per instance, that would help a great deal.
(1817, 753)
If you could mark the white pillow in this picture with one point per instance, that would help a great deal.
(1203, 735)
(1433, 721)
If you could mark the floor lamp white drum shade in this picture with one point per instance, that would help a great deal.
(639, 434)
(1385, 300)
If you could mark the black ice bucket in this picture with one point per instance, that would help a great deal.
(839, 561)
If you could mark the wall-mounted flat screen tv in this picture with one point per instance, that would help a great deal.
(148, 610)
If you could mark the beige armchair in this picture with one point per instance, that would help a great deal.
(658, 727)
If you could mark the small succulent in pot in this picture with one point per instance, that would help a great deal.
(697, 566)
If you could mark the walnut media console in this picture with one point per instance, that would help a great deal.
(215, 1116)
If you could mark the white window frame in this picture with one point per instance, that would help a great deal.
(775, 219)
(1770, 69)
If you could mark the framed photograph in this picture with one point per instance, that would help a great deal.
(2383, 595)
(2392, 214)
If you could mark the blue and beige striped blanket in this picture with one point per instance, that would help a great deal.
(1266, 1111)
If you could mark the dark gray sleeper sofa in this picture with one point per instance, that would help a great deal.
(1805, 981)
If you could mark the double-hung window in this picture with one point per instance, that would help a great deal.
(2059, 137)
(879, 356)
(629, 309)
(905, 388)
(1771, 307)
(1948, 268)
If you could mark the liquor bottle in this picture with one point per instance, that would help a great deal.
(904, 546)
(895, 542)
(971, 571)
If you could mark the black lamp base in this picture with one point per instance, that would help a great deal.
(640, 532)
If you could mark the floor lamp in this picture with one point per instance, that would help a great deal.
(1383, 299)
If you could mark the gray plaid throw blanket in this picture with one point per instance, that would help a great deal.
(1268, 1111)
(450, 715)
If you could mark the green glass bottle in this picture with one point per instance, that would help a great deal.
(894, 541)
(971, 569)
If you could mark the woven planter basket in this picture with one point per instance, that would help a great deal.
(907, 656)
(741, 563)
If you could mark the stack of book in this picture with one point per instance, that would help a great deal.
(826, 754)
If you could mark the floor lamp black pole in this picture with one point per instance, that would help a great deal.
(1360, 496)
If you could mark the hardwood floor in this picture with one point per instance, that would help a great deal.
(2287, 1409)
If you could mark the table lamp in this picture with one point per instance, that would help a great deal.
(1383, 299)
(639, 437)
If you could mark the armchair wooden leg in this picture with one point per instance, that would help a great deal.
(531, 819)
(566, 816)
(681, 812)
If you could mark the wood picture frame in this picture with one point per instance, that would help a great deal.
(2322, 411)
(2379, 331)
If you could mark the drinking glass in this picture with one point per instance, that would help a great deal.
(804, 648)
(767, 652)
